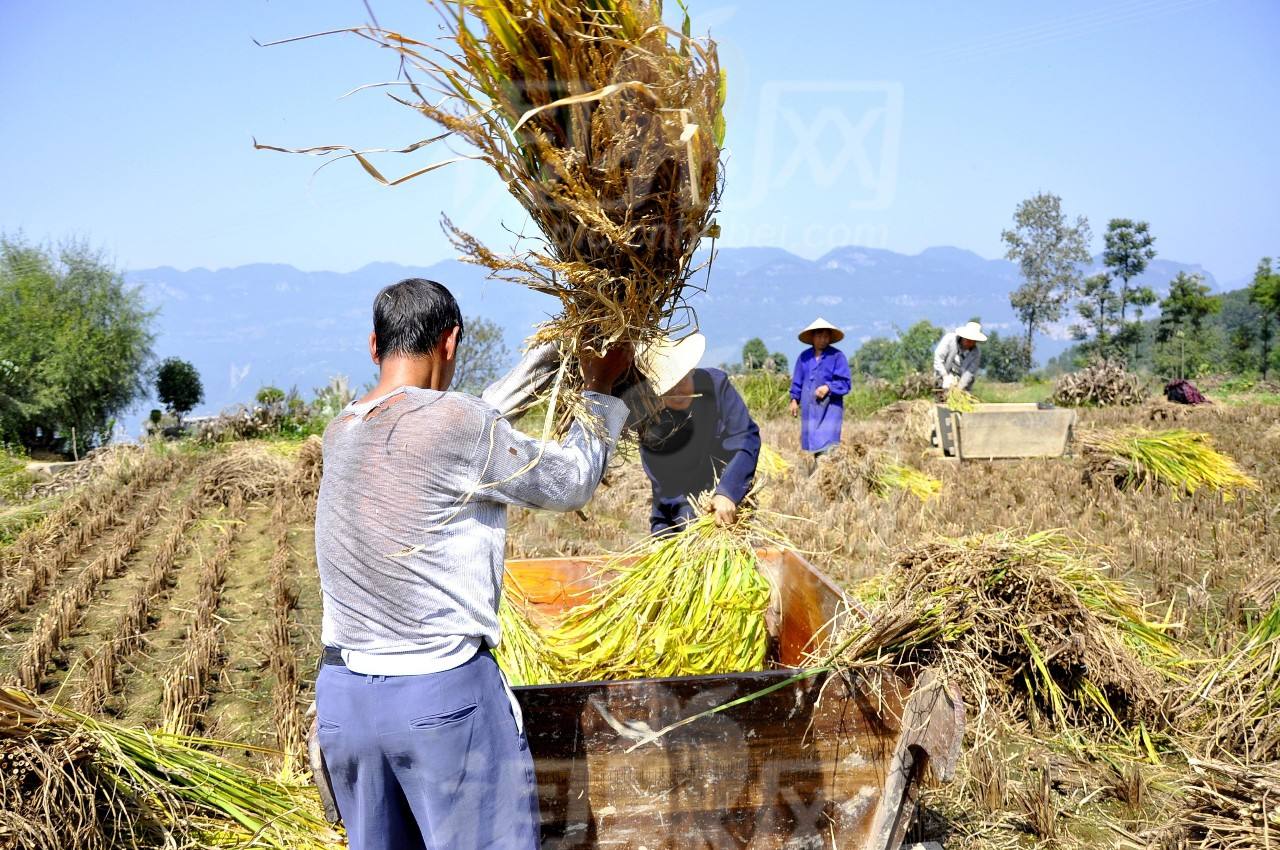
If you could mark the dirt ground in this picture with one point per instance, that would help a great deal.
(1193, 557)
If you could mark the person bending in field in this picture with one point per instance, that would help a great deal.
(701, 439)
(819, 384)
(422, 738)
(956, 359)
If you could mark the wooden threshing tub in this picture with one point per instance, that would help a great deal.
(816, 764)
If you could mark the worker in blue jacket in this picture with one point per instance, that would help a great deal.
(701, 439)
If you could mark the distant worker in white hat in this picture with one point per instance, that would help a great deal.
(701, 438)
(956, 359)
(818, 386)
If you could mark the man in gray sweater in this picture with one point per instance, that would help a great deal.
(422, 737)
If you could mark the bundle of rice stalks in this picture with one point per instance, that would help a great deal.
(72, 781)
(771, 463)
(1103, 383)
(524, 653)
(691, 603)
(1182, 460)
(961, 401)
(895, 476)
(1029, 626)
(1235, 706)
(1232, 806)
(851, 465)
(604, 124)
(766, 394)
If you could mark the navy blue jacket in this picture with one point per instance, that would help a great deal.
(715, 444)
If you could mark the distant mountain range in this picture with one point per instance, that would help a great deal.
(260, 324)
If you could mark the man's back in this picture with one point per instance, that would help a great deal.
(404, 548)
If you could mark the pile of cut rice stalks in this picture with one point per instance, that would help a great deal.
(1031, 628)
(75, 782)
(1230, 806)
(686, 604)
(1235, 706)
(1181, 460)
(851, 465)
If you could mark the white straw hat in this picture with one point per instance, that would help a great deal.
(666, 361)
(971, 330)
(820, 324)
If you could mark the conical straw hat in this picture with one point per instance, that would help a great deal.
(820, 324)
(666, 361)
(971, 330)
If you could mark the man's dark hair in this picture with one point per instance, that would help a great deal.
(410, 316)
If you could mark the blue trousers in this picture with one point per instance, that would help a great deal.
(430, 762)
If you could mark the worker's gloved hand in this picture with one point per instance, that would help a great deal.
(948, 381)
(725, 509)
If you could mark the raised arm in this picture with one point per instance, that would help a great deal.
(516, 469)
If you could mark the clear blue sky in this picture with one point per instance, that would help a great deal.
(896, 125)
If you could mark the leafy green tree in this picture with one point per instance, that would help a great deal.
(1127, 253)
(1185, 309)
(1128, 250)
(875, 358)
(1264, 293)
(270, 396)
(482, 355)
(1048, 250)
(1003, 358)
(78, 342)
(1099, 307)
(1182, 316)
(754, 354)
(916, 345)
(178, 387)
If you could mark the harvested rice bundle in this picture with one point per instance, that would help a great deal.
(93, 784)
(895, 476)
(1236, 703)
(524, 653)
(961, 401)
(606, 126)
(691, 603)
(1182, 460)
(772, 464)
(1231, 806)
(854, 464)
(1029, 626)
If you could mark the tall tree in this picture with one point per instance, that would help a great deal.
(178, 386)
(1048, 250)
(1188, 303)
(754, 353)
(482, 355)
(1128, 250)
(1264, 292)
(1182, 314)
(77, 341)
(1099, 307)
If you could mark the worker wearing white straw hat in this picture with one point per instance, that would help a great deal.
(700, 439)
(956, 359)
(818, 387)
